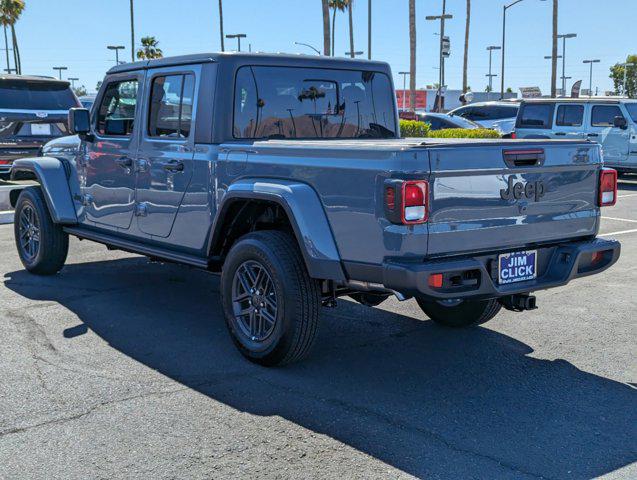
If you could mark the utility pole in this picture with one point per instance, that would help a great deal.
(117, 48)
(441, 78)
(564, 37)
(369, 29)
(238, 36)
(590, 77)
(490, 75)
(59, 69)
(404, 74)
(221, 25)
(132, 32)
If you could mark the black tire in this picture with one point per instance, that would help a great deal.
(45, 256)
(465, 314)
(297, 298)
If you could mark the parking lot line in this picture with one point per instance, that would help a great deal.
(622, 232)
(619, 219)
(627, 195)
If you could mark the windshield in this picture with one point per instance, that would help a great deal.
(34, 95)
(285, 102)
(632, 110)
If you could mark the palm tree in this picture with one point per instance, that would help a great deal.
(221, 24)
(554, 53)
(337, 5)
(412, 54)
(466, 47)
(149, 49)
(10, 11)
(326, 27)
(132, 32)
(351, 29)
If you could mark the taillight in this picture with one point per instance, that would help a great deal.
(406, 201)
(513, 135)
(607, 187)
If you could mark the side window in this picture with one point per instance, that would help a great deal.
(170, 112)
(536, 115)
(245, 104)
(116, 115)
(604, 115)
(569, 115)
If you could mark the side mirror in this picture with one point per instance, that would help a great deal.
(79, 121)
(620, 122)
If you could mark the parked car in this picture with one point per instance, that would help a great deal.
(87, 101)
(33, 110)
(499, 116)
(441, 121)
(612, 122)
(296, 187)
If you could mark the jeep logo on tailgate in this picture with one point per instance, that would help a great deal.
(518, 190)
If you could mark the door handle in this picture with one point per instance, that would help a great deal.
(174, 166)
(561, 134)
(592, 135)
(125, 162)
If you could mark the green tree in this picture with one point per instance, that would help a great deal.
(466, 47)
(336, 6)
(325, 5)
(80, 91)
(149, 49)
(10, 12)
(618, 72)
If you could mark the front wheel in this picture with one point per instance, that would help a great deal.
(271, 304)
(42, 244)
(464, 314)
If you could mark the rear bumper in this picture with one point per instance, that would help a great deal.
(476, 277)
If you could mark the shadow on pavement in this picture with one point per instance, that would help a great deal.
(429, 401)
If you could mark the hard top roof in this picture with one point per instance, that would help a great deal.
(33, 78)
(580, 100)
(260, 58)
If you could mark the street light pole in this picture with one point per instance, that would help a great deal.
(73, 80)
(354, 54)
(117, 48)
(308, 46)
(369, 29)
(504, 27)
(404, 74)
(490, 75)
(238, 36)
(59, 69)
(441, 77)
(590, 78)
(564, 37)
(132, 32)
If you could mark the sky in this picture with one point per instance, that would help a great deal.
(74, 33)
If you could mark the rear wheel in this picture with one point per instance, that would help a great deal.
(271, 304)
(463, 314)
(42, 244)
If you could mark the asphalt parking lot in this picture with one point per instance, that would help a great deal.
(119, 368)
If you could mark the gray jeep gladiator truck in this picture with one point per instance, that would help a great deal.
(287, 175)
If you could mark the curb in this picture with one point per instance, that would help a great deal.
(6, 217)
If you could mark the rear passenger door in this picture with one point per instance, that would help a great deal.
(569, 121)
(614, 140)
(165, 155)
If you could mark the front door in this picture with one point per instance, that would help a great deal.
(165, 155)
(614, 140)
(109, 162)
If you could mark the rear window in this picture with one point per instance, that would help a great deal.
(632, 110)
(33, 95)
(535, 115)
(284, 102)
(487, 112)
(604, 115)
(569, 115)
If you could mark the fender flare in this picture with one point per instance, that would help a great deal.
(52, 177)
(305, 211)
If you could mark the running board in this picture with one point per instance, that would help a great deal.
(136, 247)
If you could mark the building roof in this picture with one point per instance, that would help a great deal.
(243, 56)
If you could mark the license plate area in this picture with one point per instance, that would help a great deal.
(517, 267)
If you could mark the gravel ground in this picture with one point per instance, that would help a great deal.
(119, 368)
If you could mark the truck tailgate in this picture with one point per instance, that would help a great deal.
(496, 197)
